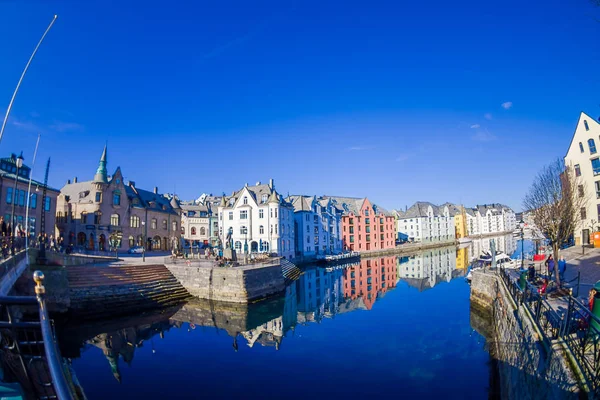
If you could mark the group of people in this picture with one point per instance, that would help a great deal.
(552, 268)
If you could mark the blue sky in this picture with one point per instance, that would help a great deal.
(399, 101)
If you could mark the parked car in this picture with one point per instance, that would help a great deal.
(136, 250)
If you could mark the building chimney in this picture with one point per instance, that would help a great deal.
(271, 183)
(257, 183)
(68, 181)
(155, 189)
(132, 184)
(75, 180)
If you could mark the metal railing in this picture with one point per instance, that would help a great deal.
(575, 325)
(30, 347)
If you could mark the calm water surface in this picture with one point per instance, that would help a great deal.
(386, 326)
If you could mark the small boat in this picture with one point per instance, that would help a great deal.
(502, 261)
(342, 257)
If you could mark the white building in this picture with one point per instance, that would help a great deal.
(260, 220)
(426, 222)
(317, 225)
(195, 224)
(491, 218)
(428, 268)
(583, 156)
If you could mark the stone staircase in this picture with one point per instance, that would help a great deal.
(99, 292)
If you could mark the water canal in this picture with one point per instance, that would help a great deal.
(388, 325)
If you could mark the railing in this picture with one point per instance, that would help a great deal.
(576, 326)
(31, 347)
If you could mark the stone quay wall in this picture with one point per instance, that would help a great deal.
(238, 284)
(527, 367)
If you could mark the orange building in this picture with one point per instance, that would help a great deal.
(372, 278)
(365, 226)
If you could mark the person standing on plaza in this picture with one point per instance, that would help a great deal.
(562, 267)
(591, 297)
(550, 266)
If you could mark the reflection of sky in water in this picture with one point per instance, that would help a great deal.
(410, 343)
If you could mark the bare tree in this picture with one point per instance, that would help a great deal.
(556, 201)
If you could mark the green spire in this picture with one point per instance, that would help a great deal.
(101, 174)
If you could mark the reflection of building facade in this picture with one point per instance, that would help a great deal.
(370, 279)
(319, 294)
(426, 222)
(89, 212)
(317, 226)
(428, 268)
(462, 257)
(260, 220)
(505, 244)
(365, 226)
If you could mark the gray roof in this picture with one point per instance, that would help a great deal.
(301, 203)
(419, 209)
(150, 200)
(353, 204)
(257, 192)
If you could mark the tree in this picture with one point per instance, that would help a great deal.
(556, 200)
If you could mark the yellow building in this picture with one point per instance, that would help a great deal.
(462, 258)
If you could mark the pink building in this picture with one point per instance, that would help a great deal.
(365, 226)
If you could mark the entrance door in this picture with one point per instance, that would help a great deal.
(586, 236)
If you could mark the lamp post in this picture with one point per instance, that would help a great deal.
(522, 226)
(144, 241)
(19, 164)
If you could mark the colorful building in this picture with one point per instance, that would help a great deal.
(370, 279)
(365, 226)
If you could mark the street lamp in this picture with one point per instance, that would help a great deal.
(19, 164)
(144, 242)
(522, 226)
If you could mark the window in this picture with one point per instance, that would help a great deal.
(264, 198)
(116, 198)
(261, 229)
(238, 246)
(351, 229)
(154, 223)
(202, 231)
(243, 230)
(596, 166)
(366, 212)
(275, 213)
(84, 217)
(597, 189)
(580, 190)
(369, 229)
(98, 197)
(587, 127)
(98, 217)
(164, 224)
(244, 214)
(577, 170)
(9, 195)
(231, 215)
(261, 213)
(581, 147)
(583, 216)
(245, 200)
(592, 146)
(134, 221)
(115, 220)
(193, 231)
(22, 199)
(351, 238)
(33, 201)
(367, 221)
(174, 226)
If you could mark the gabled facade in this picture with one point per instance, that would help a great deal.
(365, 226)
(583, 156)
(494, 218)
(260, 221)
(317, 226)
(200, 222)
(425, 222)
(89, 213)
(370, 279)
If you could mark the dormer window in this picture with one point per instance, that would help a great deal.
(264, 198)
(245, 200)
(587, 127)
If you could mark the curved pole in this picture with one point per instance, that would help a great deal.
(22, 76)
(29, 194)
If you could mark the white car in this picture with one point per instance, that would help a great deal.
(136, 250)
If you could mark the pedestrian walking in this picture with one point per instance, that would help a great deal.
(550, 266)
(562, 267)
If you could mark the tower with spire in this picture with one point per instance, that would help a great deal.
(101, 173)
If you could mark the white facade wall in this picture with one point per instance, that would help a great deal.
(318, 231)
(436, 265)
(195, 228)
(583, 155)
(252, 223)
(430, 228)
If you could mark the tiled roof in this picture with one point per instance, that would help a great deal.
(353, 204)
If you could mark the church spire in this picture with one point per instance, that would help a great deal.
(101, 174)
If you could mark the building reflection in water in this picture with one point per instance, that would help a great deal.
(318, 293)
(505, 244)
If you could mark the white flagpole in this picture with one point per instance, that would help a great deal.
(29, 194)
(22, 76)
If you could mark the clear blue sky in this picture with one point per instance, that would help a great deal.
(398, 101)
